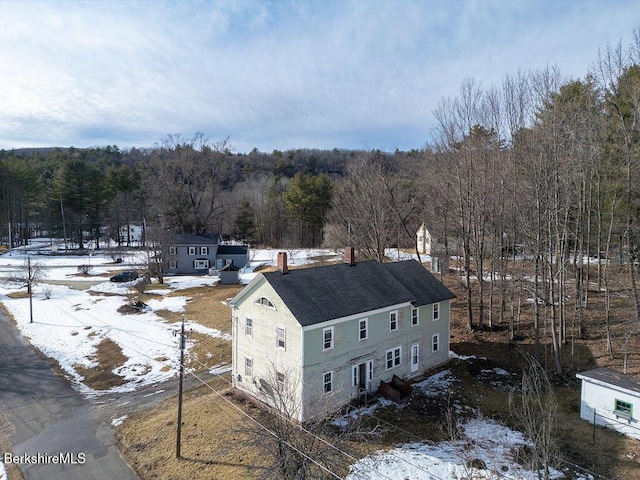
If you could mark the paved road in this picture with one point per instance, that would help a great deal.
(41, 414)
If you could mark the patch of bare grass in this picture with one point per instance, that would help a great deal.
(13, 471)
(168, 315)
(212, 446)
(108, 357)
(20, 294)
(208, 351)
(205, 305)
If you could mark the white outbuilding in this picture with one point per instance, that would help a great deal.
(611, 399)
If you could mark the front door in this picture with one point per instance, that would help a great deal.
(362, 375)
(415, 357)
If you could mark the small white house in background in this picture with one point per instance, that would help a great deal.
(612, 400)
(131, 233)
(425, 240)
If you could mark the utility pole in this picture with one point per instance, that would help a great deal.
(29, 289)
(179, 431)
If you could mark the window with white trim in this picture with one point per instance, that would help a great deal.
(248, 367)
(436, 311)
(173, 250)
(280, 380)
(435, 342)
(415, 318)
(327, 338)
(363, 329)
(394, 357)
(204, 250)
(173, 264)
(248, 327)
(393, 321)
(327, 382)
(192, 250)
(265, 302)
(281, 338)
(200, 264)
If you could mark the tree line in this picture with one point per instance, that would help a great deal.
(184, 185)
(540, 166)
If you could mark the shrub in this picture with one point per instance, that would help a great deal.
(85, 269)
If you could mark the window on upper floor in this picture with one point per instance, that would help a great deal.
(436, 311)
(435, 342)
(363, 329)
(415, 318)
(393, 321)
(281, 338)
(248, 327)
(327, 382)
(248, 366)
(327, 338)
(192, 250)
(173, 250)
(265, 302)
(394, 357)
(204, 250)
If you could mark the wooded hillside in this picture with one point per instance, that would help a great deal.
(534, 184)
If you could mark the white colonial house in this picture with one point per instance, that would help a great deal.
(612, 400)
(334, 332)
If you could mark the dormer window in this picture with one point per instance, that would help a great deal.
(265, 302)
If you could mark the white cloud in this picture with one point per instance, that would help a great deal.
(331, 74)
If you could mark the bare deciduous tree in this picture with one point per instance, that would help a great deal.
(310, 450)
(373, 207)
(534, 407)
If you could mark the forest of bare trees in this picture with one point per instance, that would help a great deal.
(534, 184)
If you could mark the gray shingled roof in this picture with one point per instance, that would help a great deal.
(232, 250)
(318, 294)
(612, 377)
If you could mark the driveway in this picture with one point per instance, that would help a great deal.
(47, 421)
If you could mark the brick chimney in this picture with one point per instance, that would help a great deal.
(349, 256)
(282, 263)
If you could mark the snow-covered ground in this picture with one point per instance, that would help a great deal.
(486, 450)
(483, 450)
(68, 323)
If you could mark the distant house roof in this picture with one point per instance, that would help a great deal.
(230, 268)
(232, 250)
(196, 238)
(318, 294)
(611, 377)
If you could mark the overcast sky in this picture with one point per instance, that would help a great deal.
(274, 74)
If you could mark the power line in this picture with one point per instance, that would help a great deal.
(239, 410)
(327, 470)
(348, 455)
(324, 441)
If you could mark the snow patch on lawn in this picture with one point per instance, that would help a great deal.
(488, 450)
